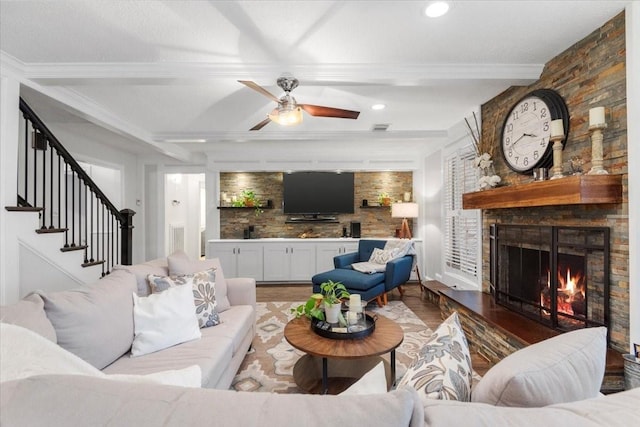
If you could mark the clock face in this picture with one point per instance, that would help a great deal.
(526, 131)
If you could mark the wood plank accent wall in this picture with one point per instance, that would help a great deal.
(591, 73)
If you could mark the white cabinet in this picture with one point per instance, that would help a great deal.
(284, 260)
(326, 251)
(238, 259)
(289, 261)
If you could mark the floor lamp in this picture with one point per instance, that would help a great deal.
(404, 211)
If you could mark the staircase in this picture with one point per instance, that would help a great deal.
(60, 215)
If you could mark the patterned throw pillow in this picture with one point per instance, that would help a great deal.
(442, 367)
(204, 293)
(379, 256)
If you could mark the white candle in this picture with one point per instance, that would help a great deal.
(355, 303)
(557, 129)
(596, 116)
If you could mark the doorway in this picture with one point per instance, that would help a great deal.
(185, 221)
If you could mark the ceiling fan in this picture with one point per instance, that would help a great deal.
(289, 112)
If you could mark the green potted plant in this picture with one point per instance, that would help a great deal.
(333, 293)
(311, 308)
(331, 298)
(384, 199)
(248, 198)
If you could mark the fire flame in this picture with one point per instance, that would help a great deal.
(569, 294)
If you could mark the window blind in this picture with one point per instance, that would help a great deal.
(462, 228)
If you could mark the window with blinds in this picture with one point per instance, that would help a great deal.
(462, 229)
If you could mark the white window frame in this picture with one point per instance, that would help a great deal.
(462, 228)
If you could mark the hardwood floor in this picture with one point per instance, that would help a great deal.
(428, 312)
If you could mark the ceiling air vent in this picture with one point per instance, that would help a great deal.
(380, 127)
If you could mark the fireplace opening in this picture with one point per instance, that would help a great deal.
(558, 276)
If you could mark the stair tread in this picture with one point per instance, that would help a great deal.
(89, 264)
(22, 209)
(74, 248)
(51, 230)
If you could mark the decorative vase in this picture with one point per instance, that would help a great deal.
(332, 312)
(487, 177)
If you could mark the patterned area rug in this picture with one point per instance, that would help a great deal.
(268, 367)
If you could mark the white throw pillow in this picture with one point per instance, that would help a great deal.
(564, 368)
(442, 368)
(163, 320)
(373, 382)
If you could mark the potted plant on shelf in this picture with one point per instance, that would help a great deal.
(248, 198)
(384, 199)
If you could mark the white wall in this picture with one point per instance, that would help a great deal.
(432, 232)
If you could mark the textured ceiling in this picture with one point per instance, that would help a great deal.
(161, 71)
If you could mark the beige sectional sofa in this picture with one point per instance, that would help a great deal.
(95, 322)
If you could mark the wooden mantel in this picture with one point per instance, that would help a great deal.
(570, 190)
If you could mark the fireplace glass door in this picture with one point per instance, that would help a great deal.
(558, 276)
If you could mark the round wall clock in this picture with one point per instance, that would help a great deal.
(525, 143)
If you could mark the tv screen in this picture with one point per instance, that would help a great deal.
(318, 193)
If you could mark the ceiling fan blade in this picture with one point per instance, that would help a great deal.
(318, 110)
(261, 124)
(260, 89)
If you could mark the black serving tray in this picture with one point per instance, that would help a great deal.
(342, 333)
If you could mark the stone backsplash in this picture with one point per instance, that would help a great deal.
(375, 221)
(589, 74)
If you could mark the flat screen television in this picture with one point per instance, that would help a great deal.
(318, 193)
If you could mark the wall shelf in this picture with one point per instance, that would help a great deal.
(374, 207)
(571, 190)
(245, 207)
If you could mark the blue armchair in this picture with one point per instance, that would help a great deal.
(368, 285)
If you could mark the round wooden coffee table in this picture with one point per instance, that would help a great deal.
(332, 365)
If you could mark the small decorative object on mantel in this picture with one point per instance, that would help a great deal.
(557, 136)
(483, 161)
(596, 124)
(575, 164)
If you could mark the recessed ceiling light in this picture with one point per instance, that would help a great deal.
(378, 107)
(436, 9)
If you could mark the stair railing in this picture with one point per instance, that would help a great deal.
(68, 199)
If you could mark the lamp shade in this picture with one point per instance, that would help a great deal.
(404, 210)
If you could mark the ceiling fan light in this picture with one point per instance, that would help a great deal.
(287, 117)
(436, 9)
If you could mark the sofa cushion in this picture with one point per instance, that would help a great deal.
(618, 409)
(157, 267)
(32, 400)
(442, 367)
(163, 320)
(235, 324)
(211, 352)
(564, 368)
(24, 353)
(95, 322)
(179, 263)
(29, 313)
(202, 284)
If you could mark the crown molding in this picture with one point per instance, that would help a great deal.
(408, 74)
(200, 138)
